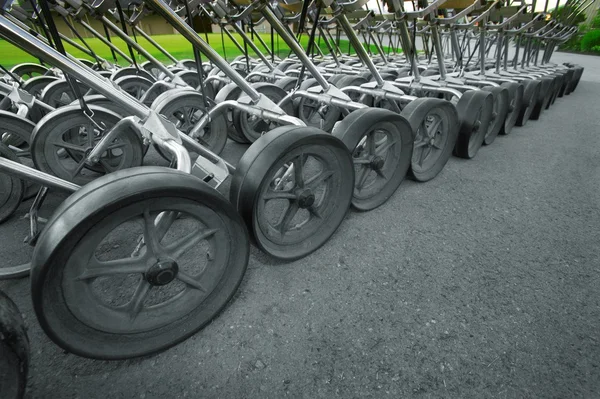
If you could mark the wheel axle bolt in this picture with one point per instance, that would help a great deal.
(305, 198)
(377, 162)
(162, 272)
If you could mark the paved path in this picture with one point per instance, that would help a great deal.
(484, 282)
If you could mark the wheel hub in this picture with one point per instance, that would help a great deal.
(305, 198)
(162, 272)
(377, 162)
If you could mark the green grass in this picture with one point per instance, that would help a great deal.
(178, 46)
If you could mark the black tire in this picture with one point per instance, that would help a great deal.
(565, 89)
(558, 81)
(134, 85)
(229, 92)
(515, 96)
(389, 167)
(36, 86)
(530, 94)
(12, 188)
(577, 72)
(475, 111)
(28, 70)
(16, 133)
(184, 107)
(544, 97)
(132, 71)
(61, 297)
(352, 80)
(499, 113)
(252, 130)
(260, 167)
(422, 113)
(14, 350)
(287, 83)
(59, 94)
(308, 110)
(64, 123)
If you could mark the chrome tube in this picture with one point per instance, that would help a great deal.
(38, 49)
(293, 45)
(36, 176)
(179, 24)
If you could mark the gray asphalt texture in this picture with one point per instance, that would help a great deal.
(484, 282)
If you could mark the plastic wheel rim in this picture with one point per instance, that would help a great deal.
(133, 316)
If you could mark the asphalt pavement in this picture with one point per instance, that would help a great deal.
(484, 282)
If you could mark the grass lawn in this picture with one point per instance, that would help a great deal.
(174, 44)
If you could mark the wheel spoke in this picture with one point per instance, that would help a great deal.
(98, 268)
(68, 146)
(361, 161)
(362, 178)
(107, 166)
(315, 211)
(150, 234)
(73, 173)
(274, 194)
(381, 174)
(385, 148)
(136, 304)
(423, 156)
(285, 221)
(299, 170)
(371, 143)
(436, 145)
(319, 178)
(420, 144)
(183, 244)
(190, 281)
(433, 128)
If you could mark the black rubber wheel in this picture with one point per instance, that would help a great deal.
(12, 188)
(565, 87)
(14, 350)
(351, 80)
(315, 114)
(543, 97)
(230, 92)
(184, 107)
(132, 71)
(293, 187)
(16, 132)
(100, 291)
(381, 143)
(558, 81)
(61, 139)
(190, 77)
(577, 72)
(500, 110)
(515, 95)
(136, 86)
(475, 109)
(530, 94)
(36, 86)
(435, 124)
(253, 127)
(59, 94)
(287, 83)
(28, 70)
